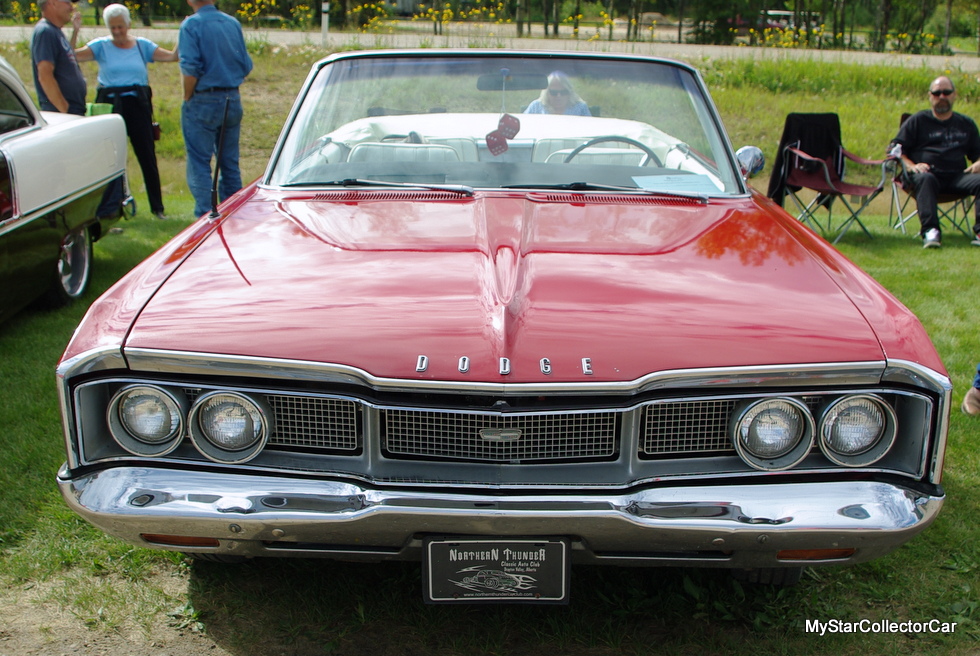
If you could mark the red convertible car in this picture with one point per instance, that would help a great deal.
(505, 311)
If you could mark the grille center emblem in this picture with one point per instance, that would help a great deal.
(501, 434)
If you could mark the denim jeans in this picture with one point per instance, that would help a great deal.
(976, 379)
(112, 200)
(201, 119)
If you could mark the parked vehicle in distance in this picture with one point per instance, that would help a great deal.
(53, 170)
(444, 330)
(786, 20)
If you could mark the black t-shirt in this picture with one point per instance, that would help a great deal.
(944, 145)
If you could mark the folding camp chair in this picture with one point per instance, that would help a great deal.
(811, 157)
(957, 212)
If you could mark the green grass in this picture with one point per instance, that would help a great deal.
(320, 607)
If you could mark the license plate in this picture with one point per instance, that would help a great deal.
(489, 570)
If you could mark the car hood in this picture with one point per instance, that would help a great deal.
(510, 287)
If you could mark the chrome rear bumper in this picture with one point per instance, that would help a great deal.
(722, 525)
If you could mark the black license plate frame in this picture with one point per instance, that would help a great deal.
(492, 570)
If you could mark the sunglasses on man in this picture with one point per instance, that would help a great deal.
(942, 92)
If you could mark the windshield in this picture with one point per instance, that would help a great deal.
(493, 121)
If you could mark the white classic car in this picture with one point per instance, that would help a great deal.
(54, 169)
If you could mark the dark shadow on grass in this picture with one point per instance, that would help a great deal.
(313, 607)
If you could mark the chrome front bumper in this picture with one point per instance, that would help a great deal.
(722, 525)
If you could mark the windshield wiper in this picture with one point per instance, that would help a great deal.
(361, 182)
(574, 186)
(594, 186)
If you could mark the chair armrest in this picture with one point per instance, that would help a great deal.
(886, 164)
(810, 158)
(802, 155)
(895, 165)
(860, 160)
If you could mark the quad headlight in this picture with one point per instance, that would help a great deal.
(230, 427)
(773, 434)
(777, 433)
(146, 420)
(227, 427)
(857, 430)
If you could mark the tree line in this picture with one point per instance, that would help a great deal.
(877, 25)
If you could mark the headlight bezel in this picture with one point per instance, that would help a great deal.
(876, 450)
(125, 436)
(210, 448)
(744, 417)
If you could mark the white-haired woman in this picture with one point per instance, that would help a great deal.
(124, 82)
(558, 98)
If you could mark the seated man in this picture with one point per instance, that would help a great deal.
(935, 146)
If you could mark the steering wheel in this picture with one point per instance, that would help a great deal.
(650, 155)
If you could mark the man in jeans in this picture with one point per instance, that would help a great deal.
(935, 146)
(213, 64)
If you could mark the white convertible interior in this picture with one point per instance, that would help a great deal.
(652, 135)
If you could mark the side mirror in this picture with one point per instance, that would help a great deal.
(750, 160)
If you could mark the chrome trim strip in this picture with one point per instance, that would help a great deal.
(841, 373)
(68, 428)
(752, 521)
(101, 359)
(55, 205)
(913, 373)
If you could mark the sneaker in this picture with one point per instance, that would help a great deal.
(971, 402)
(932, 239)
(160, 215)
(976, 241)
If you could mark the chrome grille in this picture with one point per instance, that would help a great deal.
(686, 427)
(499, 437)
(318, 423)
(693, 427)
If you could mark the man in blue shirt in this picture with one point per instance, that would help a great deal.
(213, 64)
(58, 81)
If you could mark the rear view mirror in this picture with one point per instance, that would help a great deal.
(750, 160)
(506, 80)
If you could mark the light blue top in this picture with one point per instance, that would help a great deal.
(122, 67)
(212, 49)
(578, 109)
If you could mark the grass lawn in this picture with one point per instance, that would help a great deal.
(322, 607)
